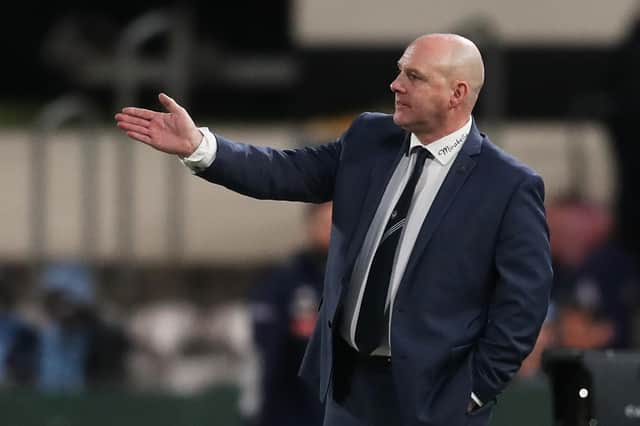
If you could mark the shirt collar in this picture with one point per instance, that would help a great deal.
(447, 147)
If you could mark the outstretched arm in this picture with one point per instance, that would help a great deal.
(306, 174)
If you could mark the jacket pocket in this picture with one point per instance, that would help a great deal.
(482, 411)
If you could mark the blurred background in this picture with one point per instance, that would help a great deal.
(130, 286)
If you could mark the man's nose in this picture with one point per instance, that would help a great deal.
(395, 85)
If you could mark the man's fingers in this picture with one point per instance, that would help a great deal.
(169, 103)
(139, 137)
(134, 128)
(139, 112)
(131, 119)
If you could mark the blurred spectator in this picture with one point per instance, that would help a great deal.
(595, 277)
(180, 349)
(17, 341)
(611, 274)
(76, 347)
(624, 90)
(582, 321)
(577, 228)
(283, 311)
(160, 332)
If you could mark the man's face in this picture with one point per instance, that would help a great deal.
(422, 91)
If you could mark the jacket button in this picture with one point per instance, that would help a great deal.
(329, 323)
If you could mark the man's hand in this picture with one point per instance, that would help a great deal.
(472, 406)
(172, 132)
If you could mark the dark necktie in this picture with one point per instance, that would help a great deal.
(372, 310)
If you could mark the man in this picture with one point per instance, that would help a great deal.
(438, 273)
(284, 309)
(624, 98)
(77, 348)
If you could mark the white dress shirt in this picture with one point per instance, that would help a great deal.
(444, 151)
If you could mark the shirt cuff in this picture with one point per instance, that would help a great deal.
(476, 399)
(204, 155)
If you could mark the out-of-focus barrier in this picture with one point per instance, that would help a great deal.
(24, 408)
(523, 404)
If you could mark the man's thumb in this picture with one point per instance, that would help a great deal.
(169, 103)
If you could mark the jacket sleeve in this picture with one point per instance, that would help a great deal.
(306, 174)
(521, 297)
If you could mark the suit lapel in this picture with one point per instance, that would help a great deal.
(381, 173)
(457, 176)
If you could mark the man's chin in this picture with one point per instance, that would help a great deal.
(399, 120)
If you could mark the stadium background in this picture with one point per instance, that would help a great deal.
(279, 73)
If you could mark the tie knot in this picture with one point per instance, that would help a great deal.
(421, 153)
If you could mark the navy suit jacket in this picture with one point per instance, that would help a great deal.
(476, 287)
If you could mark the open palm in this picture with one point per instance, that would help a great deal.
(172, 132)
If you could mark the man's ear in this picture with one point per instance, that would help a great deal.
(459, 93)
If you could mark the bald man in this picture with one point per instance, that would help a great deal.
(439, 271)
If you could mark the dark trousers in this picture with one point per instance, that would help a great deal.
(362, 391)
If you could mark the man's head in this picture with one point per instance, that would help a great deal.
(440, 77)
